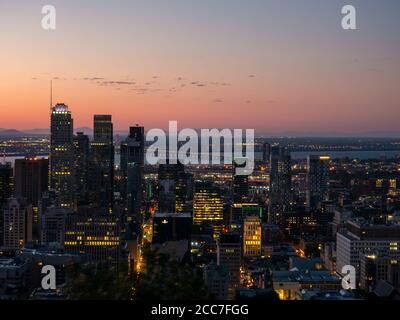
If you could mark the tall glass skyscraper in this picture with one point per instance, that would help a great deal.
(101, 168)
(132, 166)
(62, 155)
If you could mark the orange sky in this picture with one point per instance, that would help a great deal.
(204, 65)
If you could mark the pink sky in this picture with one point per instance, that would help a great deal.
(207, 67)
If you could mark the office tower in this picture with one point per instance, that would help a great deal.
(216, 279)
(6, 182)
(239, 211)
(229, 256)
(62, 157)
(240, 188)
(171, 227)
(52, 225)
(252, 236)
(280, 184)
(101, 167)
(363, 238)
(81, 143)
(173, 188)
(317, 180)
(31, 176)
(17, 220)
(132, 166)
(208, 206)
(95, 234)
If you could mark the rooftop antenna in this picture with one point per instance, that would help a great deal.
(51, 94)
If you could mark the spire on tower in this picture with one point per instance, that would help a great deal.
(51, 94)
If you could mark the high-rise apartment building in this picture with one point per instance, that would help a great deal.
(317, 180)
(280, 184)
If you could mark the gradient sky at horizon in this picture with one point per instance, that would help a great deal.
(273, 65)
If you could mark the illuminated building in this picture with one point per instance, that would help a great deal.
(81, 142)
(229, 251)
(101, 164)
(240, 211)
(252, 237)
(94, 235)
(208, 206)
(317, 180)
(132, 166)
(17, 220)
(62, 157)
(280, 184)
(362, 238)
(173, 188)
(290, 284)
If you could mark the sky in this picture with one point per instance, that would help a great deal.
(272, 65)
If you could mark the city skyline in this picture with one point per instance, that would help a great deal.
(151, 63)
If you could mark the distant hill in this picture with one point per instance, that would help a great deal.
(11, 133)
(38, 131)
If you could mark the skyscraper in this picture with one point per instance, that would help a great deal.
(6, 190)
(240, 187)
(173, 188)
(280, 184)
(62, 158)
(317, 180)
(208, 206)
(6, 181)
(132, 166)
(81, 142)
(31, 176)
(101, 168)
